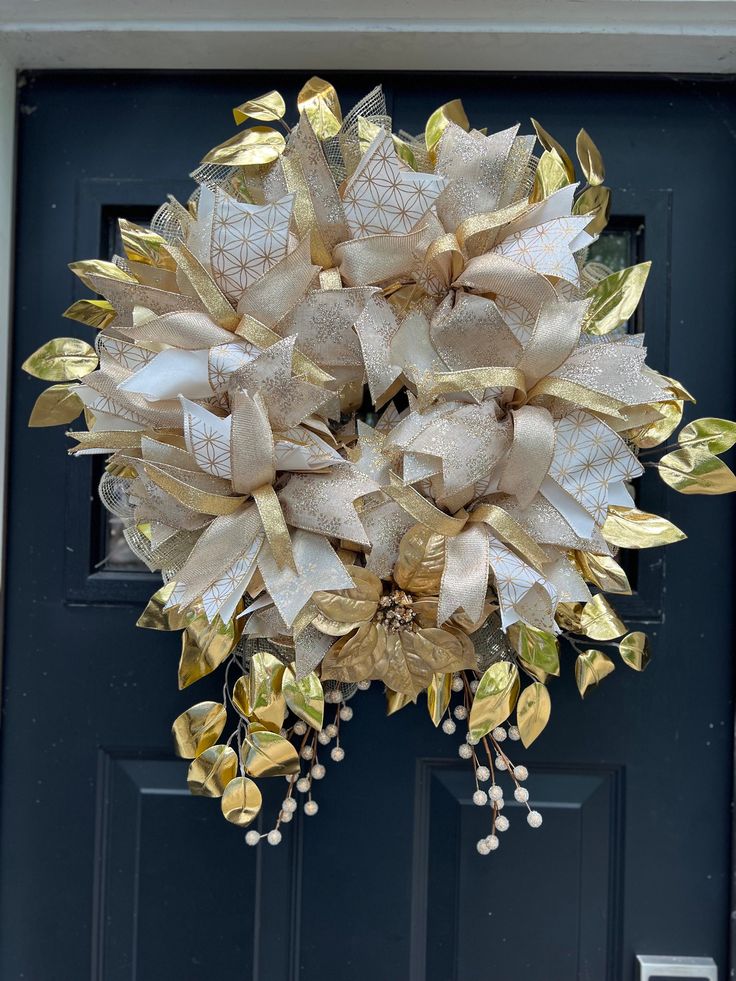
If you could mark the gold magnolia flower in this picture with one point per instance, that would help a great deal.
(390, 633)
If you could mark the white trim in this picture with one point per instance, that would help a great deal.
(501, 35)
(7, 196)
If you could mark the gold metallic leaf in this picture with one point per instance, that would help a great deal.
(655, 433)
(144, 246)
(92, 313)
(155, 617)
(631, 528)
(396, 700)
(604, 572)
(404, 152)
(614, 299)
(494, 699)
(538, 649)
(590, 158)
(318, 100)
(549, 177)
(695, 470)
(596, 202)
(599, 620)
(267, 754)
(718, 435)
(676, 388)
(590, 668)
(421, 560)
(99, 267)
(57, 405)
(267, 108)
(198, 728)
(532, 712)
(341, 610)
(257, 695)
(212, 771)
(550, 143)
(367, 132)
(62, 359)
(634, 650)
(450, 112)
(204, 646)
(305, 698)
(241, 801)
(439, 694)
(255, 146)
(568, 615)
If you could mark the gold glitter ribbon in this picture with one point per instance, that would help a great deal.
(509, 531)
(305, 216)
(204, 286)
(274, 525)
(433, 383)
(423, 510)
(194, 498)
(579, 395)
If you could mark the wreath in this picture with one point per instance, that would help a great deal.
(374, 416)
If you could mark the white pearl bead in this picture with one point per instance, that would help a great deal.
(464, 751)
(311, 807)
(521, 772)
(483, 774)
(501, 763)
(333, 697)
(492, 842)
(300, 728)
(302, 785)
(273, 837)
(337, 753)
(534, 819)
(495, 792)
(252, 838)
(323, 738)
(500, 804)
(307, 753)
(331, 730)
(318, 771)
(502, 823)
(364, 685)
(460, 712)
(346, 713)
(286, 817)
(449, 727)
(499, 734)
(471, 740)
(483, 847)
(514, 733)
(457, 683)
(521, 794)
(289, 805)
(480, 797)
(474, 685)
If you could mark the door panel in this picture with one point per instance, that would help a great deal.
(111, 871)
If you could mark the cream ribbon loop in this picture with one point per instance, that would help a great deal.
(530, 455)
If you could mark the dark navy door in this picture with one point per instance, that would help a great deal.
(110, 871)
